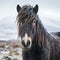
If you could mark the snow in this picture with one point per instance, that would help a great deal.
(13, 56)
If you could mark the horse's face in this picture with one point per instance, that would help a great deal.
(27, 24)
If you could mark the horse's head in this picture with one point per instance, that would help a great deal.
(27, 24)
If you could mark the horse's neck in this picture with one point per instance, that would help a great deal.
(43, 30)
(43, 34)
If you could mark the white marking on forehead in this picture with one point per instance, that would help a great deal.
(26, 36)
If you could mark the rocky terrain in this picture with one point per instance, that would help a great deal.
(10, 50)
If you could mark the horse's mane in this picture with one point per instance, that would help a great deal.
(43, 35)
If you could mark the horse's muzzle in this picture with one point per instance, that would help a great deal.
(25, 44)
(26, 41)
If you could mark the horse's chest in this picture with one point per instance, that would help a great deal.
(35, 54)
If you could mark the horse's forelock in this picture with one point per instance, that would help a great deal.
(22, 16)
(25, 15)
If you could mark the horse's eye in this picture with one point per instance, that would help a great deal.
(34, 21)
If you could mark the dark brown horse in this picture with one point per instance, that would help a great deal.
(36, 42)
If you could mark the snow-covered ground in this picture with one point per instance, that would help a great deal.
(12, 55)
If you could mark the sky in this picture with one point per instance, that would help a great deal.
(49, 14)
(49, 8)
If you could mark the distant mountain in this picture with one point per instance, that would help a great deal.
(8, 27)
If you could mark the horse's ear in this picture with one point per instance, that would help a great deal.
(35, 9)
(18, 8)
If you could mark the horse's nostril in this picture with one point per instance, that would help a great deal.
(23, 43)
(28, 43)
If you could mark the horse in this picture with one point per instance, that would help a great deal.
(35, 41)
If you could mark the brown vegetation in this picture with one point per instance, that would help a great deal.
(11, 44)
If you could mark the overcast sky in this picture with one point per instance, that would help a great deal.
(48, 8)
